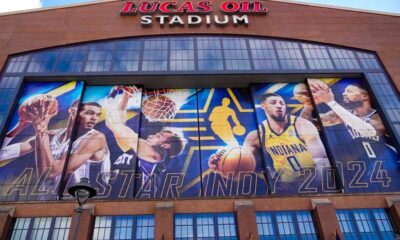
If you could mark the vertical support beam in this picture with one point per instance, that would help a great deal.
(325, 217)
(82, 223)
(164, 221)
(394, 210)
(6, 215)
(246, 219)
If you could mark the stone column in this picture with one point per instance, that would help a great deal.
(246, 219)
(325, 218)
(164, 221)
(82, 224)
(6, 215)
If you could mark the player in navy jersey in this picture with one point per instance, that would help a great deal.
(155, 150)
(364, 135)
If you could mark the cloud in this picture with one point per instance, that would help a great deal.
(17, 5)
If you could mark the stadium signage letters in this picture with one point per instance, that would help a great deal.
(173, 13)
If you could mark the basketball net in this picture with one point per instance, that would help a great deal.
(163, 104)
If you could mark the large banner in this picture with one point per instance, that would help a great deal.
(295, 157)
(361, 147)
(34, 151)
(105, 147)
(169, 159)
(231, 159)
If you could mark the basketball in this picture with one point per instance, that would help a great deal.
(300, 92)
(232, 161)
(34, 101)
(239, 130)
(158, 107)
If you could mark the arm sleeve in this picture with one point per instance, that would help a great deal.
(10, 152)
(365, 129)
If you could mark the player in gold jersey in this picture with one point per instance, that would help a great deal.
(293, 143)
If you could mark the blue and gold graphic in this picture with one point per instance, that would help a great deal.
(360, 145)
(294, 154)
(230, 165)
(34, 150)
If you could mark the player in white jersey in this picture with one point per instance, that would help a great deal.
(51, 146)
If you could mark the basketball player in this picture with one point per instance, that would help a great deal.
(220, 125)
(51, 146)
(155, 150)
(362, 120)
(293, 143)
(363, 123)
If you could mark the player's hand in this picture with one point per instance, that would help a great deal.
(321, 92)
(212, 162)
(40, 121)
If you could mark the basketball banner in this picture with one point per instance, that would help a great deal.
(105, 146)
(169, 158)
(360, 145)
(34, 151)
(231, 165)
(295, 157)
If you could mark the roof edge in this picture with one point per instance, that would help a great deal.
(56, 7)
(281, 1)
(337, 7)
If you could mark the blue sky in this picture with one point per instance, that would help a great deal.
(391, 6)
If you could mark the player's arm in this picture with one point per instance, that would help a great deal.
(15, 131)
(325, 95)
(376, 121)
(252, 144)
(234, 117)
(115, 120)
(330, 118)
(17, 149)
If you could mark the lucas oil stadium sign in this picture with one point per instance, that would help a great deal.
(172, 13)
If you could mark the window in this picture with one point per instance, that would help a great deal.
(41, 228)
(43, 62)
(344, 59)
(285, 225)
(365, 224)
(124, 227)
(205, 226)
(263, 53)
(209, 51)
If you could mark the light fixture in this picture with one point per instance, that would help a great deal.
(82, 191)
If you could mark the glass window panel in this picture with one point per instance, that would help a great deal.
(317, 56)
(17, 64)
(43, 61)
(236, 54)
(344, 59)
(289, 55)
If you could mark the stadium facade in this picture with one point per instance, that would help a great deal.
(198, 119)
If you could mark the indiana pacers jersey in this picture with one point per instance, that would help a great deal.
(287, 150)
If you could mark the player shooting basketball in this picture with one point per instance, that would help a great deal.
(51, 146)
(363, 120)
(155, 150)
(293, 143)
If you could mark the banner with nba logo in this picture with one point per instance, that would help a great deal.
(295, 157)
(360, 145)
(35, 148)
(231, 163)
(105, 146)
(168, 151)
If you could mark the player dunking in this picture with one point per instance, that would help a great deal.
(293, 143)
(155, 150)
